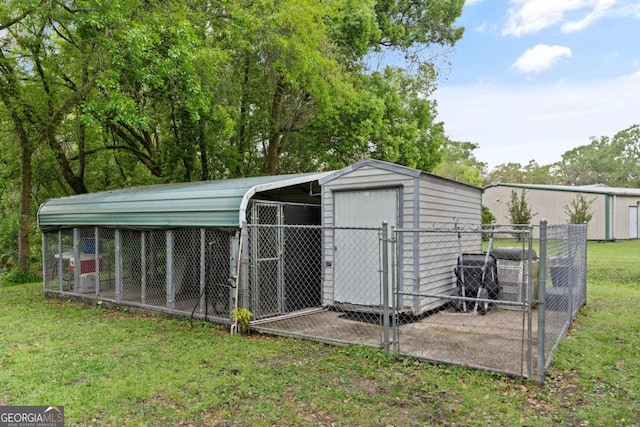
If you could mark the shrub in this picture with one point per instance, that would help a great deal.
(487, 220)
(241, 317)
(519, 211)
(579, 210)
(17, 277)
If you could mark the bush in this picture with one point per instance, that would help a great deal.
(17, 277)
(519, 211)
(579, 210)
(487, 220)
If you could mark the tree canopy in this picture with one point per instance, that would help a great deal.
(105, 94)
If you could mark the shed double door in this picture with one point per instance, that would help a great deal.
(357, 253)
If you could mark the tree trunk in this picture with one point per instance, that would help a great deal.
(204, 155)
(26, 173)
(273, 151)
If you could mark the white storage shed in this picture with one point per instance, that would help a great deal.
(369, 192)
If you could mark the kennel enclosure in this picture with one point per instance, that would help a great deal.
(311, 256)
(219, 244)
(180, 247)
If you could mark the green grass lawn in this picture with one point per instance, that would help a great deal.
(113, 368)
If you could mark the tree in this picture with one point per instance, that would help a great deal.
(519, 211)
(579, 210)
(460, 164)
(532, 173)
(97, 95)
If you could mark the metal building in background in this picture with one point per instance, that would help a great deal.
(615, 210)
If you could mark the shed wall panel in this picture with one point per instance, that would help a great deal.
(425, 200)
(444, 202)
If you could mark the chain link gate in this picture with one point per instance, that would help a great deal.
(266, 284)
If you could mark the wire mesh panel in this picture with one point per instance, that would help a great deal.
(218, 290)
(57, 253)
(106, 249)
(132, 243)
(566, 286)
(266, 285)
(186, 269)
(455, 272)
(315, 262)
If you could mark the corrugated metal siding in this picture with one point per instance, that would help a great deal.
(195, 204)
(548, 205)
(620, 215)
(550, 201)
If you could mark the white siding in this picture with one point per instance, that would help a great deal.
(620, 215)
(550, 206)
(444, 202)
(427, 266)
(366, 177)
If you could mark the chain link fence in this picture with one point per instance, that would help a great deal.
(329, 288)
(499, 299)
(183, 271)
(472, 291)
(564, 285)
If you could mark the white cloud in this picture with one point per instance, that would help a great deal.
(519, 123)
(472, 2)
(531, 16)
(540, 57)
(601, 8)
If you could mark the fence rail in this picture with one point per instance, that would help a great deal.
(497, 298)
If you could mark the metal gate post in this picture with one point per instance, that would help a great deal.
(385, 286)
(246, 267)
(395, 293)
(542, 283)
(59, 261)
(45, 263)
(529, 298)
(76, 259)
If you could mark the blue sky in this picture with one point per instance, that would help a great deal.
(532, 79)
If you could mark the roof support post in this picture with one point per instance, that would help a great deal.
(143, 267)
(76, 259)
(203, 270)
(118, 254)
(59, 261)
(171, 290)
(244, 268)
(97, 258)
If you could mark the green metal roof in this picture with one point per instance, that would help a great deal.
(195, 204)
